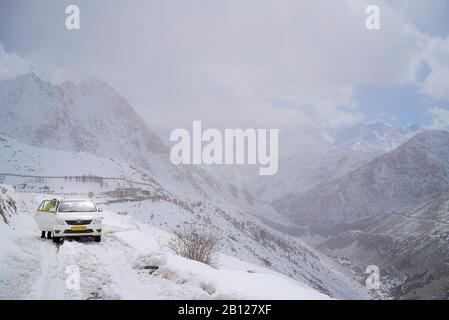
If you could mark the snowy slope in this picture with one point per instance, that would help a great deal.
(133, 262)
(299, 174)
(24, 159)
(416, 171)
(308, 159)
(92, 117)
(17, 157)
(244, 234)
(410, 246)
(375, 137)
(89, 117)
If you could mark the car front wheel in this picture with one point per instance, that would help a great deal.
(97, 238)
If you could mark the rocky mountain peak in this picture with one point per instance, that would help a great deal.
(89, 116)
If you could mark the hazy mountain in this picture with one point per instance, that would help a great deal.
(416, 171)
(376, 137)
(410, 246)
(307, 160)
(90, 116)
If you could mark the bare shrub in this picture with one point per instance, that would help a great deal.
(195, 243)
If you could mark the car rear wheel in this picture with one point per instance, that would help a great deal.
(97, 238)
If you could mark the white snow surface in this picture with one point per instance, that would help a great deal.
(116, 268)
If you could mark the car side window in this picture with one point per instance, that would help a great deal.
(51, 204)
(41, 207)
(47, 205)
(44, 205)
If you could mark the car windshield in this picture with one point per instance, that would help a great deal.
(77, 206)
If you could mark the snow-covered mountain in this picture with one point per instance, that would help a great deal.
(410, 246)
(308, 159)
(92, 117)
(244, 236)
(416, 171)
(301, 173)
(55, 133)
(390, 212)
(376, 137)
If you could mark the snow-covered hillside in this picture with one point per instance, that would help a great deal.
(89, 117)
(410, 246)
(92, 117)
(244, 234)
(133, 262)
(416, 171)
(299, 174)
(313, 158)
(21, 158)
(375, 137)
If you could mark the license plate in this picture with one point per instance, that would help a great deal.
(78, 228)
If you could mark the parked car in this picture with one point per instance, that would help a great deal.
(69, 218)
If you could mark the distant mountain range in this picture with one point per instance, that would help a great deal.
(376, 137)
(334, 154)
(416, 171)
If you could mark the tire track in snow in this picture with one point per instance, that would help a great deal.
(107, 270)
(50, 283)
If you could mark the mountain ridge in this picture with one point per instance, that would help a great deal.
(416, 171)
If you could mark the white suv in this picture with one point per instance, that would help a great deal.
(69, 218)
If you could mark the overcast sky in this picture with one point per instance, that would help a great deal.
(253, 63)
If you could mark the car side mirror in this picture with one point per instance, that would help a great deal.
(52, 210)
(100, 210)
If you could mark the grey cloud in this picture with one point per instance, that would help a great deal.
(224, 62)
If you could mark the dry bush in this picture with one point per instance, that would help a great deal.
(195, 243)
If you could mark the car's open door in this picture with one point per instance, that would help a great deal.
(45, 214)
